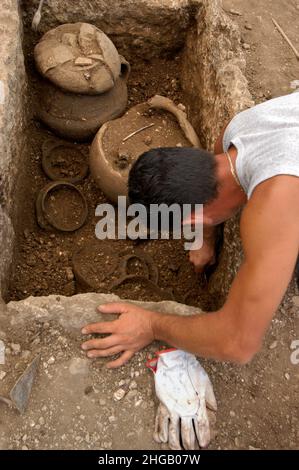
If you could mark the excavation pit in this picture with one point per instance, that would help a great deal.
(188, 51)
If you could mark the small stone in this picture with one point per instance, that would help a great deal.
(248, 26)
(182, 107)
(287, 376)
(131, 394)
(2, 374)
(121, 383)
(119, 394)
(81, 61)
(24, 448)
(273, 345)
(235, 12)
(246, 46)
(102, 402)
(25, 355)
(69, 273)
(147, 140)
(16, 348)
(41, 421)
(112, 419)
(237, 443)
(179, 144)
(51, 360)
(295, 300)
(133, 385)
(232, 413)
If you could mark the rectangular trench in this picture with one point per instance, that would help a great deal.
(188, 51)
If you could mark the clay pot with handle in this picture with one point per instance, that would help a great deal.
(109, 164)
(84, 80)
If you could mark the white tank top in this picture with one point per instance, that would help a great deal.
(267, 140)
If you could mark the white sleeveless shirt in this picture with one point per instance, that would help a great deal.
(267, 140)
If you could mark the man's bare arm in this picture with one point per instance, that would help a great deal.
(270, 234)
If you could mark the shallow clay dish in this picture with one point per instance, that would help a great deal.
(62, 206)
(63, 161)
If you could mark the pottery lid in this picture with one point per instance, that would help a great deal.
(79, 58)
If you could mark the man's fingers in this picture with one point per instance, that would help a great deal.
(105, 352)
(101, 327)
(114, 308)
(101, 343)
(125, 357)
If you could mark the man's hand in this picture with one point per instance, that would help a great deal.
(128, 334)
(203, 257)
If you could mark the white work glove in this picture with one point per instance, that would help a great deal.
(184, 390)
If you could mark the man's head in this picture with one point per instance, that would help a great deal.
(173, 175)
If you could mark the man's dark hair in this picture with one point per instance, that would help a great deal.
(173, 175)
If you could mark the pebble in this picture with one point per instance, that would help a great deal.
(102, 402)
(287, 376)
(133, 385)
(273, 345)
(112, 419)
(131, 394)
(232, 413)
(182, 107)
(2, 374)
(248, 26)
(25, 448)
(41, 421)
(235, 12)
(51, 360)
(148, 140)
(295, 300)
(119, 394)
(25, 354)
(246, 46)
(138, 402)
(69, 273)
(16, 348)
